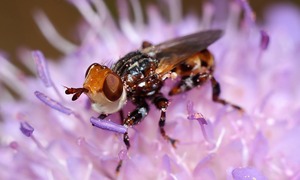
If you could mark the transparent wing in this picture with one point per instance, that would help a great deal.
(175, 51)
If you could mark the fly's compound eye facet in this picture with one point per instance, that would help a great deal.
(112, 87)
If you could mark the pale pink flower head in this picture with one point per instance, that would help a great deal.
(44, 135)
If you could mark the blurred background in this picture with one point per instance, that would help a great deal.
(18, 28)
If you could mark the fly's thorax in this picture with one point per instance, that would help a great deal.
(137, 71)
(143, 87)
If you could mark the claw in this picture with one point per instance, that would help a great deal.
(173, 142)
(119, 167)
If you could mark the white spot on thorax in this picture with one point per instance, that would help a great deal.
(142, 84)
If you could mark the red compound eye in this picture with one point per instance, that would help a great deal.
(112, 87)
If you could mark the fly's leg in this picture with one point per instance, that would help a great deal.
(216, 91)
(195, 71)
(136, 116)
(133, 118)
(121, 116)
(127, 143)
(102, 116)
(187, 83)
(162, 103)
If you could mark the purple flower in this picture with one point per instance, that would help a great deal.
(44, 135)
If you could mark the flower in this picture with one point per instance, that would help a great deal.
(46, 136)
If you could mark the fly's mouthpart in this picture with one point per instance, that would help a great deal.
(76, 91)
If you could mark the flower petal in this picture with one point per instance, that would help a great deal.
(247, 174)
(52, 103)
(108, 125)
(26, 129)
(41, 66)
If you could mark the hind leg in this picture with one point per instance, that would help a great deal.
(216, 91)
(187, 83)
(195, 71)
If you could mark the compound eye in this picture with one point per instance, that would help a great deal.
(112, 87)
(90, 67)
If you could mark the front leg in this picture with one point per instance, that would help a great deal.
(162, 103)
(135, 117)
(103, 116)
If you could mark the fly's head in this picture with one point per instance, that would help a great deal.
(103, 87)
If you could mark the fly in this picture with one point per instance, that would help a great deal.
(140, 75)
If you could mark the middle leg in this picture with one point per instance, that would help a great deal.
(162, 103)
